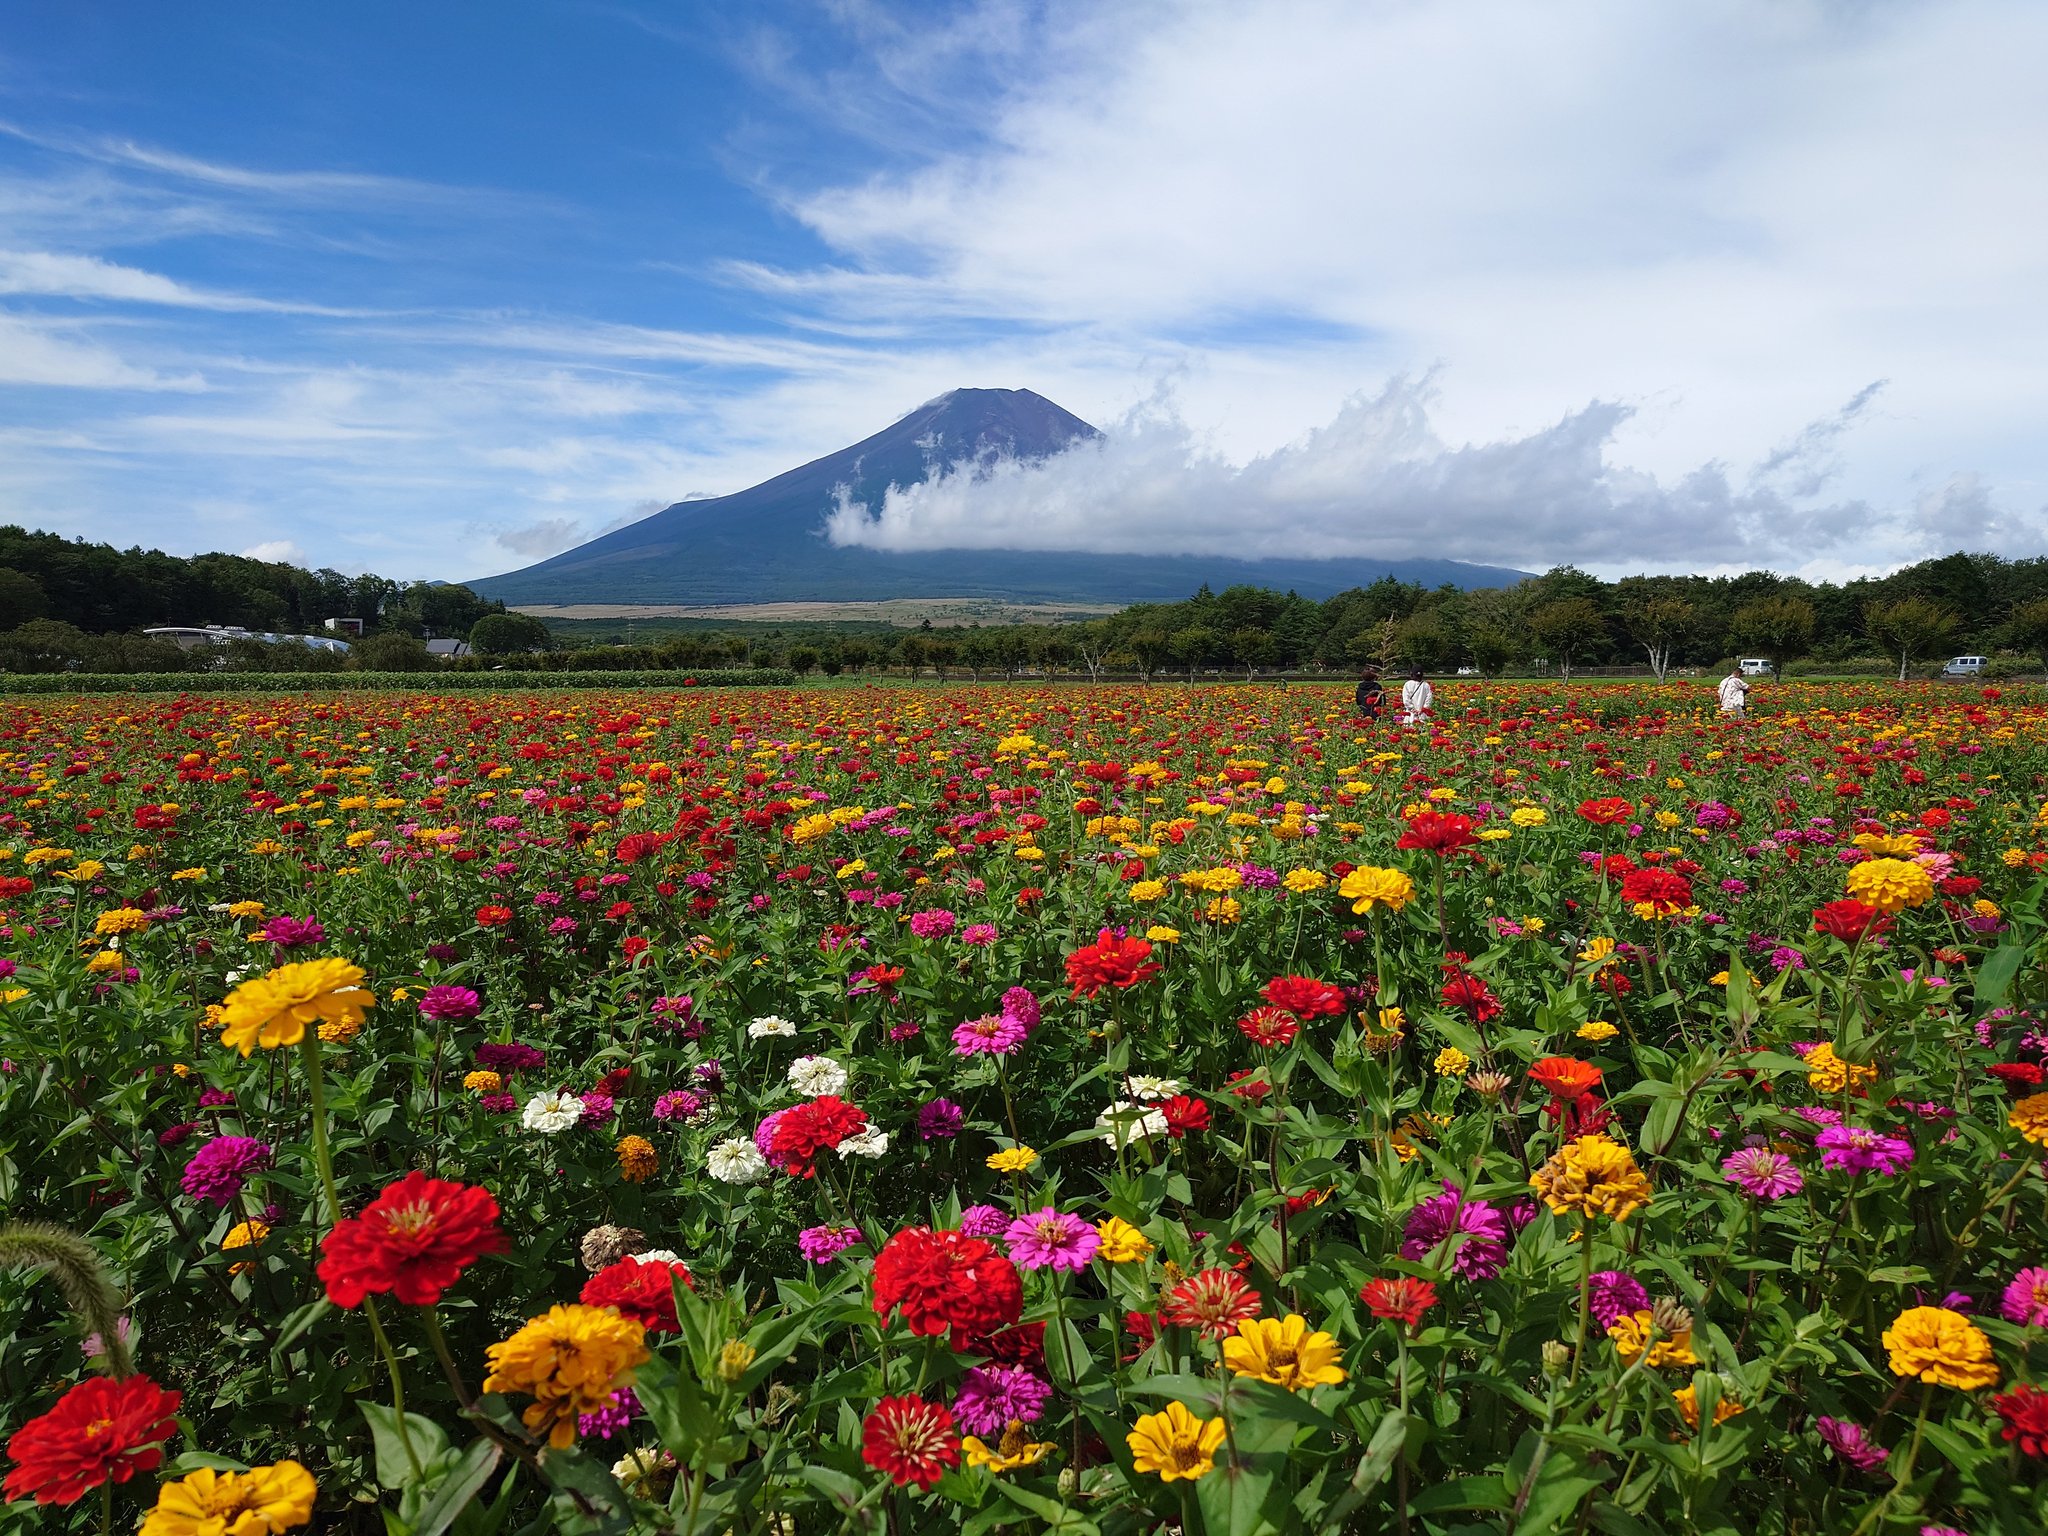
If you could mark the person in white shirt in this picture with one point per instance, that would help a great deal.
(1734, 694)
(1416, 698)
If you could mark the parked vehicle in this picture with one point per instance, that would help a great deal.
(1753, 666)
(1966, 666)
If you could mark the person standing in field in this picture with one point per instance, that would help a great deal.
(1733, 692)
(1371, 697)
(1416, 698)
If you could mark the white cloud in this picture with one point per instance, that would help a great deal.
(48, 273)
(32, 352)
(277, 551)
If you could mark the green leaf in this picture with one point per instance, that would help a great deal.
(394, 1468)
(456, 1488)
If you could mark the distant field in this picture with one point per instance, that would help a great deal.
(898, 612)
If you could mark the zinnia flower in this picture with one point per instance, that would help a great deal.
(1122, 1243)
(2030, 1118)
(218, 1169)
(100, 1431)
(1015, 1449)
(821, 1245)
(1851, 1443)
(259, 1502)
(570, 1361)
(552, 1113)
(1367, 887)
(1213, 1303)
(1304, 996)
(1763, 1174)
(1049, 1239)
(1402, 1299)
(1174, 1444)
(450, 1004)
(1850, 921)
(1855, 1150)
(1612, 1295)
(1565, 1076)
(274, 1009)
(641, 1289)
(995, 1034)
(1439, 832)
(1633, 1332)
(1113, 960)
(2026, 1299)
(911, 1440)
(413, 1241)
(1941, 1346)
(1890, 885)
(994, 1396)
(947, 1282)
(939, 1120)
(1479, 1232)
(802, 1132)
(637, 1159)
(2025, 1412)
(1594, 1177)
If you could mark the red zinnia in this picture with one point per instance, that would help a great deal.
(1439, 832)
(1849, 920)
(947, 1280)
(1468, 992)
(1608, 812)
(1304, 996)
(1269, 1027)
(1023, 1344)
(1565, 1076)
(1184, 1114)
(493, 917)
(1246, 1084)
(1402, 1299)
(911, 1440)
(1213, 1303)
(1113, 960)
(414, 1241)
(101, 1429)
(804, 1131)
(2025, 1411)
(1659, 889)
(640, 1289)
(2017, 1074)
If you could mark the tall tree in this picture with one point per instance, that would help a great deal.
(1912, 629)
(1778, 629)
(1567, 628)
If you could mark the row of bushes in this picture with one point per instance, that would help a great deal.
(359, 682)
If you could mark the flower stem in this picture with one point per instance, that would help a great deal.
(412, 1459)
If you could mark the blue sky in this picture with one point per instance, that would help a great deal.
(440, 290)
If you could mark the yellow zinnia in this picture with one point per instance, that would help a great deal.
(274, 1009)
(1174, 1444)
(253, 1503)
(1368, 887)
(1594, 1177)
(1828, 1073)
(1940, 1346)
(570, 1361)
(1631, 1331)
(1014, 1450)
(1284, 1353)
(1890, 884)
(1012, 1159)
(1688, 1402)
(1122, 1243)
(2030, 1118)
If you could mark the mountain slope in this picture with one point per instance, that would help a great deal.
(765, 544)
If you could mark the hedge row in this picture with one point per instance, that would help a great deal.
(360, 682)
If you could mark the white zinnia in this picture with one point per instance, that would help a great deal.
(549, 1113)
(1123, 1123)
(872, 1142)
(1147, 1087)
(735, 1160)
(816, 1076)
(769, 1025)
(659, 1256)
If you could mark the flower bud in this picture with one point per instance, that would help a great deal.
(1556, 1356)
(1488, 1085)
(1669, 1318)
(734, 1361)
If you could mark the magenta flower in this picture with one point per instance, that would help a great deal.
(678, 1104)
(1763, 1174)
(1849, 1442)
(1613, 1294)
(993, 1034)
(1480, 1233)
(940, 1120)
(980, 935)
(935, 924)
(984, 1221)
(821, 1245)
(1050, 1239)
(597, 1107)
(450, 1004)
(1021, 1004)
(293, 932)
(619, 1411)
(764, 1133)
(2026, 1300)
(1852, 1149)
(497, 1103)
(993, 1395)
(510, 1057)
(219, 1169)
(215, 1098)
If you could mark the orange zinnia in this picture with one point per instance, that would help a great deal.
(1565, 1076)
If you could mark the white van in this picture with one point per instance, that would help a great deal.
(1753, 666)
(1965, 666)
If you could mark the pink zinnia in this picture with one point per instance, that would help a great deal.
(1850, 1442)
(980, 935)
(821, 1245)
(983, 1221)
(1611, 1294)
(1763, 1174)
(2026, 1299)
(994, 1034)
(1049, 1239)
(1855, 1150)
(1480, 1231)
(935, 924)
(450, 1003)
(1021, 1004)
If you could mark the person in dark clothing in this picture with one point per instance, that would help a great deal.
(1372, 694)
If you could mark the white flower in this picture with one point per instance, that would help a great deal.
(1147, 1087)
(816, 1076)
(645, 1472)
(872, 1142)
(233, 977)
(735, 1160)
(659, 1256)
(762, 1028)
(1123, 1123)
(549, 1113)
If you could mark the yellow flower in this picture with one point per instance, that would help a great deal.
(1368, 887)
(809, 829)
(1174, 1444)
(1940, 1346)
(1284, 1353)
(483, 1082)
(84, 870)
(569, 1361)
(1148, 890)
(637, 1161)
(1718, 979)
(120, 920)
(1982, 907)
(1632, 1331)
(1224, 909)
(197, 872)
(13, 994)
(1597, 951)
(1596, 1030)
(1451, 1062)
(2030, 1118)
(1392, 1021)
(258, 1502)
(1828, 1073)
(1122, 1243)
(1012, 1159)
(46, 856)
(1890, 884)
(1014, 1450)
(245, 909)
(1594, 1177)
(274, 1009)
(1528, 816)
(1303, 881)
(1689, 1407)
(245, 1234)
(1163, 935)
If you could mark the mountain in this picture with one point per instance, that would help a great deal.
(765, 544)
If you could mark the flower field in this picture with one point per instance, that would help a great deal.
(1097, 1110)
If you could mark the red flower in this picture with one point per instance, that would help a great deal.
(1269, 1027)
(1113, 960)
(101, 1429)
(640, 1289)
(947, 1280)
(1402, 1299)
(636, 846)
(1607, 812)
(1246, 1084)
(1184, 1114)
(1849, 920)
(413, 1241)
(1468, 992)
(1439, 832)
(1304, 996)
(1565, 1076)
(1142, 1326)
(805, 1130)
(493, 917)
(1213, 1303)
(1659, 889)
(2017, 1074)
(911, 1440)
(2025, 1411)
(877, 978)
(1022, 1345)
